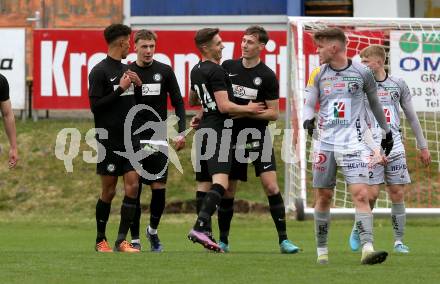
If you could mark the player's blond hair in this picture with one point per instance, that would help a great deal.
(373, 50)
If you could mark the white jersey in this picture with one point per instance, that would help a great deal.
(393, 92)
(342, 111)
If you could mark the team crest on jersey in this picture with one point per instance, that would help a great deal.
(157, 77)
(257, 81)
(111, 168)
(394, 95)
(353, 87)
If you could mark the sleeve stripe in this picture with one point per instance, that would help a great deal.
(312, 76)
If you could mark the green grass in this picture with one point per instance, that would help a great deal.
(44, 249)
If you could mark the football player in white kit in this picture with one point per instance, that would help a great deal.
(340, 86)
(393, 93)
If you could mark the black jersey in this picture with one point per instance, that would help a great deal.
(4, 89)
(158, 81)
(207, 78)
(109, 103)
(257, 84)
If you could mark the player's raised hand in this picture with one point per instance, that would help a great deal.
(425, 157)
(256, 108)
(387, 143)
(125, 82)
(134, 77)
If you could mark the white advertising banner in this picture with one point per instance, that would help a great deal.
(415, 57)
(12, 64)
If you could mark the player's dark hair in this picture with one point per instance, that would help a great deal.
(331, 34)
(259, 32)
(114, 31)
(145, 35)
(204, 36)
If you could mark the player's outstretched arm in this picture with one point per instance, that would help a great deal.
(226, 106)
(9, 122)
(413, 120)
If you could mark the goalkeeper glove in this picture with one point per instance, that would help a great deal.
(309, 125)
(387, 143)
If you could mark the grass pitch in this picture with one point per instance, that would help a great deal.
(44, 249)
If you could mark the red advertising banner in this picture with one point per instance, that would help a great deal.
(64, 58)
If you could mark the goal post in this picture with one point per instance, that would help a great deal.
(413, 53)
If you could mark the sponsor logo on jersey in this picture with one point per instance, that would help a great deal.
(319, 158)
(392, 88)
(327, 88)
(150, 89)
(257, 81)
(340, 110)
(244, 92)
(347, 78)
(357, 165)
(387, 113)
(382, 93)
(398, 167)
(157, 77)
(339, 87)
(331, 78)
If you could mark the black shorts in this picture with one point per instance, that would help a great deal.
(264, 162)
(219, 162)
(154, 166)
(113, 164)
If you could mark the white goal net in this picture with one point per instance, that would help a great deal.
(413, 53)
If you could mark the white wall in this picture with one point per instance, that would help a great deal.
(381, 8)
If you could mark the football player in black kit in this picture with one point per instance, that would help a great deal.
(158, 82)
(210, 83)
(9, 121)
(111, 97)
(252, 80)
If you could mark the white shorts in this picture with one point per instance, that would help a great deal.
(354, 167)
(394, 172)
